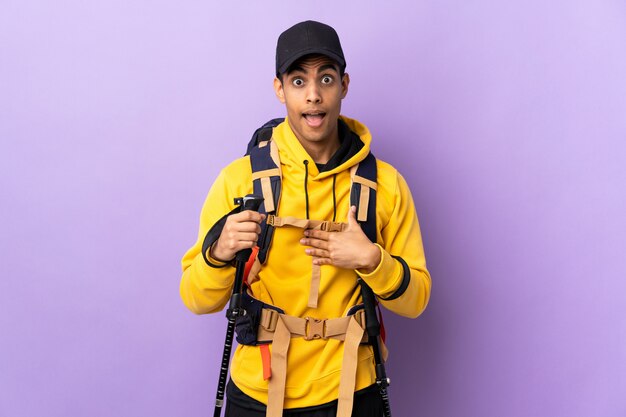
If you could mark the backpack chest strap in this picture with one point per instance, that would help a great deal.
(324, 225)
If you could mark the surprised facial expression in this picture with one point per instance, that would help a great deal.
(312, 91)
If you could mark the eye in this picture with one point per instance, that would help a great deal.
(327, 79)
(298, 82)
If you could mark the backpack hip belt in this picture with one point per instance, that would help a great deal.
(277, 328)
(309, 328)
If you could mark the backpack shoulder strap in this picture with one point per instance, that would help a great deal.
(363, 194)
(266, 180)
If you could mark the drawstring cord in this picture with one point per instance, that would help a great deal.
(334, 199)
(306, 191)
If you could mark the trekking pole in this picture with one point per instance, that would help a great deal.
(373, 332)
(249, 202)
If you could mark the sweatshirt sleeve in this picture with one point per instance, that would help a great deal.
(401, 280)
(204, 288)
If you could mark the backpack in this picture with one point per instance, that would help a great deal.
(266, 174)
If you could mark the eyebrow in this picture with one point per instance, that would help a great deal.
(323, 68)
(327, 67)
(295, 68)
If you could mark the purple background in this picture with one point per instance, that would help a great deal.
(508, 120)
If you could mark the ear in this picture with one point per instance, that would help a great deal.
(278, 89)
(345, 81)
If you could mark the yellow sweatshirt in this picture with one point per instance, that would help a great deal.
(313, 367)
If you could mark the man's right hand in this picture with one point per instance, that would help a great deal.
(241, 231)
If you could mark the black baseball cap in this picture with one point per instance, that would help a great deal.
(307, 38)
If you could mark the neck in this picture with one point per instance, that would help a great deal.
(321, 151)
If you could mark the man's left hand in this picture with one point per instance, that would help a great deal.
(349, 249)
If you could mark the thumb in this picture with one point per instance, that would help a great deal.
(352, 222)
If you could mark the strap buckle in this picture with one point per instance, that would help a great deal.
(314, 328)
(328, 226)
(270, 220)
(269, 318)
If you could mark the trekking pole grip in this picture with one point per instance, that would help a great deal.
(249, 202)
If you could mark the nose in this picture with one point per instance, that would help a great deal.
(313, 94)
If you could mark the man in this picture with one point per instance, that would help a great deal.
(310, 273)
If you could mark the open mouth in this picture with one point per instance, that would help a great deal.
(314, 118)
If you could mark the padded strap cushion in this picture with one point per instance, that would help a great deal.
(363, 194)
(266, 176)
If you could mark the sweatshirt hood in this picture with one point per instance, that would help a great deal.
(292, 153)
